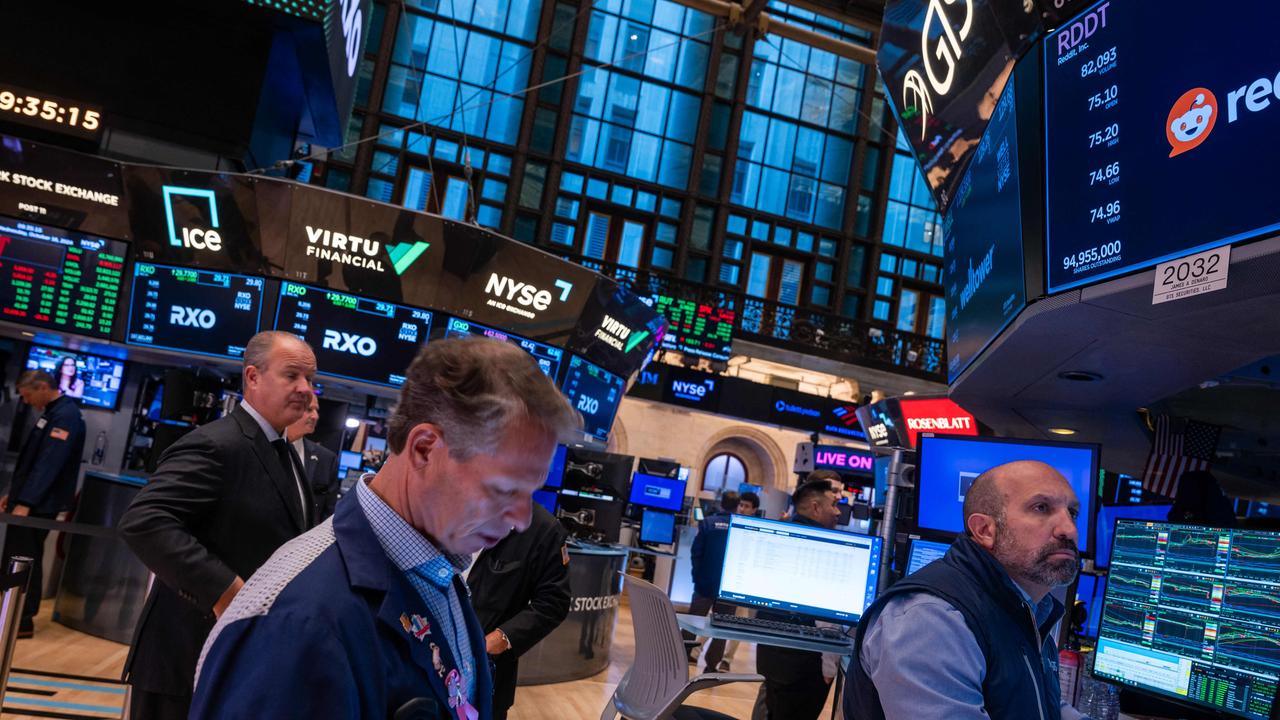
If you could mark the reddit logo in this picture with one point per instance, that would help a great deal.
(1191, 120)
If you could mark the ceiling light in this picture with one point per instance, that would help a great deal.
(1079, 376)
(353, 423)
(1062, 431)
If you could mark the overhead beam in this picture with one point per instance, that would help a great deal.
(766, 24)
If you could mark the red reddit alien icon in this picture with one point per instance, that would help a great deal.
(1191, 120)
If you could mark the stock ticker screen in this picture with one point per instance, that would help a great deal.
(1193, 613)
(547, 356)
(696, 329)
(1152, 116)
(354, 337)
(57, 279)
(196, 311)
(594, 392)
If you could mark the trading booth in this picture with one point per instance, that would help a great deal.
(137, 288)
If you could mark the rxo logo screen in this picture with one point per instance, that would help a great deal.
(190, 317)
(346, 342)
(195, 238)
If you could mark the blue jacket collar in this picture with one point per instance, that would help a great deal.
(368, 568)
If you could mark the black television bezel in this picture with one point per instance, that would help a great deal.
(124, 373)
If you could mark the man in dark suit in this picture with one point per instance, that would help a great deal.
(44, 480)
(319, 461)
(520, 591)
(222, 499)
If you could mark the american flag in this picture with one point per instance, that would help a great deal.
(1179, 446)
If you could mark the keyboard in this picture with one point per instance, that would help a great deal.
(782, 629)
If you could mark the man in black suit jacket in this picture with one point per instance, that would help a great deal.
(222, 499)
(319, 462)
(520, 591)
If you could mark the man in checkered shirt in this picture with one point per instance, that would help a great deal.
(368, 613)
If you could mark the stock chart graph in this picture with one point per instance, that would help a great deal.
(1193, 613)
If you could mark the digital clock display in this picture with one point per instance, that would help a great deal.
(49, 111)
(55, 279)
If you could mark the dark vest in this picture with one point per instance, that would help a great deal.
(1020, 682)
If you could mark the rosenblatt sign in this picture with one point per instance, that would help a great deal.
(941, 417)
(898, 422)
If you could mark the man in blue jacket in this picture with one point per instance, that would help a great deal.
(44, 480)
(367, 614)
(706, 564)
(969, 637)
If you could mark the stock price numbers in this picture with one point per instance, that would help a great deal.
(1085, 258)
(1106, 136)
(1100, 65)
(1106, 99)
(1109, 173)
(1108, 213)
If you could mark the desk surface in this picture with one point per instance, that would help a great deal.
(698, 625)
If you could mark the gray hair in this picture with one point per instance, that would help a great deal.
(258, 349)
(473, 389)
(36, 377)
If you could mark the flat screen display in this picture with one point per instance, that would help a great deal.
(349, 460)
(548, 499)
(1090, 590)
(194, 311)
(1142, 134)
(825, 574)
(1107, 516)
(1193, 613)
(982, 232)
(695, 328)
(555, 473)
(655, 491)
(547, 356)
(595, 393)
(60, 280)
(353, 337)
(93, 380)
(949, 465)
(924, 552)
(657, 527)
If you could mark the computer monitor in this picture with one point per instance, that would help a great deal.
(1259, 509)
(597, 474)
(657, 527)
(924, 552)
(659, 493)
(555, 473)
(92, 380)
(1106, 523)
(949, 464)
(1089, 590)
(548, 499)
(1191, 614)
(348, 460)
(825, 574)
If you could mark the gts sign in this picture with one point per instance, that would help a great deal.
(523, 293)
(184, 316)
(349, 343)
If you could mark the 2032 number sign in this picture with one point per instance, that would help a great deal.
(1192, 275)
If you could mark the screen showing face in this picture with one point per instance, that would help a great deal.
(1193, 613)
(353, 337)
(949, 465)
(93, 380)
(595, 393)
(194, 311)
(60, 280)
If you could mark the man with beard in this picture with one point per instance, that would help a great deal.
(968, 637)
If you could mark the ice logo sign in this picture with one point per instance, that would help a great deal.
(1191, 120)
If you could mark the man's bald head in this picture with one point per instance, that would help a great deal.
(1024, 513)
(990, 492)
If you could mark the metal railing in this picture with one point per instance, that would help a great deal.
(809, 332)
